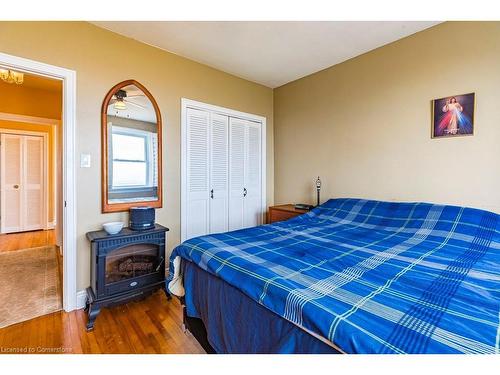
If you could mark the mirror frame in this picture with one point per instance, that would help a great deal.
(121, 207)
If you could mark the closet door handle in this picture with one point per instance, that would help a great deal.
(245, 192)
(16, 186)
(212, 193)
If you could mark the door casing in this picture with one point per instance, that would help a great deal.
(68, 78)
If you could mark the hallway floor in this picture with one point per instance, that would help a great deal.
(30, 277)
(27, 240)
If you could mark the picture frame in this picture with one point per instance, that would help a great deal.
(453, 116)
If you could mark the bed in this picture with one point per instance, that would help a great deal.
(350, 276)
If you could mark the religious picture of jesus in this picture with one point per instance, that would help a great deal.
(453, 115)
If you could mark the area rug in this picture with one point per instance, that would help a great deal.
(29, 284)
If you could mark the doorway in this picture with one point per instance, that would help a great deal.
(30, 180)
(67, 198)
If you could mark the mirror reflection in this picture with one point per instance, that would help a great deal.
(132, 134)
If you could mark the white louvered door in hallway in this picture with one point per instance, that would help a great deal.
(22, 180)
(222, 170)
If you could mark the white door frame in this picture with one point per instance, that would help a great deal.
(68, 78)
(188, 103)
(45, 184)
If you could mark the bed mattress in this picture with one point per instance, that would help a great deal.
(368, 276)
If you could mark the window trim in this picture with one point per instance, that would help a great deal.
(148, 159)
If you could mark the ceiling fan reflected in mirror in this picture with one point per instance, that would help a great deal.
(122, 98)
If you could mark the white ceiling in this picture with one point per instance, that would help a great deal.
(270, 53)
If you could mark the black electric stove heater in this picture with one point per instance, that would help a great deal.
(126, 266)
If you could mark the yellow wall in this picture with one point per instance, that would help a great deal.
(29, 101)
(364, 125)
(23, 100)
(102, 59)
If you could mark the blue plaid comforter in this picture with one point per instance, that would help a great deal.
(370, 276)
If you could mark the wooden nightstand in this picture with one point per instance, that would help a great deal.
(283, 212)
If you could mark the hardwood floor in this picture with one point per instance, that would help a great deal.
(27, 240)
(149, 326)
(153, 325)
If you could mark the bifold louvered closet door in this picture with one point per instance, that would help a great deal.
(245, 208)
(222, 176)
(22, 183)
(197, 153)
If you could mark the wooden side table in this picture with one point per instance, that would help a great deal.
(283, 212)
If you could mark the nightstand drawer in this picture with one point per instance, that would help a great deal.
(283, 212)
(276, 215)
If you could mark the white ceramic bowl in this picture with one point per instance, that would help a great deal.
(113, 227)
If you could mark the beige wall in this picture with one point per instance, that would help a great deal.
(364, 125)
(102, 59)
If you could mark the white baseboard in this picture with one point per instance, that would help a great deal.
(51, 225)
(81, 297)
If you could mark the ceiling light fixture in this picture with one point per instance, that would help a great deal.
(119, 97)
(120, 105)
(10, 76)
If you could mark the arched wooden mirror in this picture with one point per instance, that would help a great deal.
(131, 148)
